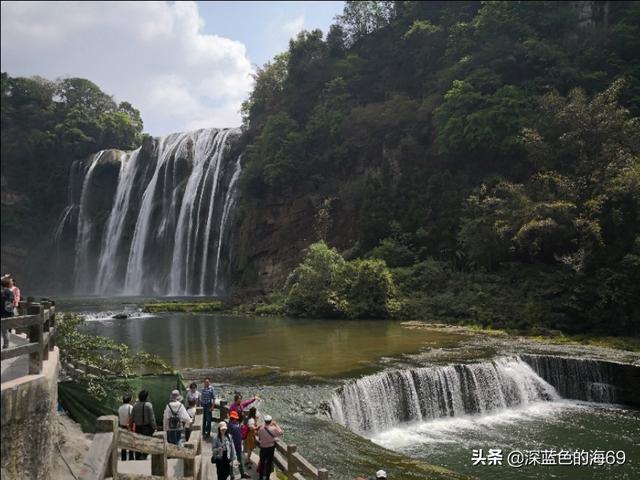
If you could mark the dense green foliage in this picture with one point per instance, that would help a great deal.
(493, 146)
(45, 127)
(114, 361)
(326, 285)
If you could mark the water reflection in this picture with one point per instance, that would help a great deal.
(317, 347)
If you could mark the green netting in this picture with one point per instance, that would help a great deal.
(85, 409)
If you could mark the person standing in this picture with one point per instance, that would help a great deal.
(124, 420)
(223, 452)
(207, 399)
(6, 308)
(143, 419)
(16, 295)
(236, 435)
(238, 405)
(249, 434)
(194, 394)
(267, 435)
(174, 418)
(191, 410)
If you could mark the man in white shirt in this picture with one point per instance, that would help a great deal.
(124, 420)
(175, 417)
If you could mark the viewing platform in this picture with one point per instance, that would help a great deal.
(166, 461)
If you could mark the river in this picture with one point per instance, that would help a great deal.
(305, 372)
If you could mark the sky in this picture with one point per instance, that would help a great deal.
(184, 65)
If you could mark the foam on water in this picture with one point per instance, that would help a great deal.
(460, 430)
(108, 316)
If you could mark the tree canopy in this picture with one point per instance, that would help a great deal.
(477, 134)
(46, 125)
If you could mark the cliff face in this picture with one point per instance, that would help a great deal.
(270, 235)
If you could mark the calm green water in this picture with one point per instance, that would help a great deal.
(295, 365)
(325, 348)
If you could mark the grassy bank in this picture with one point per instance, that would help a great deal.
(182, 307)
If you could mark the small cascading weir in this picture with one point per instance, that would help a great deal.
(588, 379)
(153, 220)
(381, 401)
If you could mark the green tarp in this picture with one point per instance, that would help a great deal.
(85, 409)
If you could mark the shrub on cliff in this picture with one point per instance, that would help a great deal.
(326, 285)
(316, 286)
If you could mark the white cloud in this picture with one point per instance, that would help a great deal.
(152, 54)
(294, 26)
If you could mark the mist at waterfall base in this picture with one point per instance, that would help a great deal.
(153, 221)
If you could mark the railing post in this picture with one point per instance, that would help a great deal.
(323, 474)
(110, 424)
(189, 464)
(159, 461)
(52, 326)
(292, 466)
(22, 307)
(35, 336)
(224, 410)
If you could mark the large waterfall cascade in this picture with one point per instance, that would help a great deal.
(154, 220)
(384, 400)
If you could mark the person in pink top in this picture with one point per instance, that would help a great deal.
(239, 405)
(267, 435)
(16, 295)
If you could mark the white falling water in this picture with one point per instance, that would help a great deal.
(207, 231)
(382, 401)
(62, 223)
(190, 219)
(133, 283)
(107, 261)
(229, 203)
(167, 223)
(83, 237)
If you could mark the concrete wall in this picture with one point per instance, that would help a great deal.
(29, 430)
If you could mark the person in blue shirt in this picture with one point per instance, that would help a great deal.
(207, 400)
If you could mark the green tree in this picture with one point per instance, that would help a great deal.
(470, 123)
(113, 361)
(361, 18)
(316, 287)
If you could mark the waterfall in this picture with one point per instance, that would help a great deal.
(229, 203)
(153, 220)
(134, 284)
(84, 226)
(381, 401)
(583, 378)
(107, 263)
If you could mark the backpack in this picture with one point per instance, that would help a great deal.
(7, 301)
(174, 420)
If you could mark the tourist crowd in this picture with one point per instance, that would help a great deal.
(235, 438)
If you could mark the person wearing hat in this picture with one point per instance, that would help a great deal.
(380, 475)
(267, 436)
(224, 453)
(236, 435)
(175, 417)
